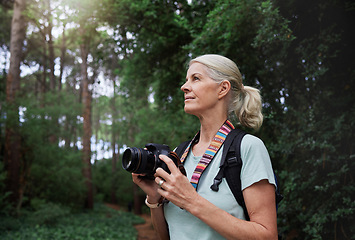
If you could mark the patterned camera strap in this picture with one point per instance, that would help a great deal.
(211, 151)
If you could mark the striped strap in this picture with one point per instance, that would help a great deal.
(211, 151)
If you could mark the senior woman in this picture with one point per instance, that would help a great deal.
(213, 90)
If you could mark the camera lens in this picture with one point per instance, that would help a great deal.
(131, 159)
(138, 160)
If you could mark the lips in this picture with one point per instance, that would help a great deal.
(188, 98)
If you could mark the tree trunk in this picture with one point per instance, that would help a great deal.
(52, 82)
(96, 127)
(86, 99)
(113, 144)
(51, 56)
(12, 136)
(62, 57)
(44, 75)
(114, 172)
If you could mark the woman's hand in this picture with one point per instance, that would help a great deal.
(176, 187)
(148, 186)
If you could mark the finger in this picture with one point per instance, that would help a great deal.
(159, 181)
(162, 174)
(162, 193)
(135, 177)
(171, 165)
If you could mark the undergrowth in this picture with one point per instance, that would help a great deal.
(55, 222)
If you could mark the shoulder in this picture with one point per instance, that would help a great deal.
(256, 161)
(251, 142)
(253, 150)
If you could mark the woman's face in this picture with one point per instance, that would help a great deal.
(201, 92)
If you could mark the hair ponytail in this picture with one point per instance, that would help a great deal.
(245, 101)
(246, 104)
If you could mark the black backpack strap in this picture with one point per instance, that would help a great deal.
(231, 166)
(232, 171)
(181, 148)
(226, 151)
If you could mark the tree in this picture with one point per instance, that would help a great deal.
(86, 98)
(12, 139)
(87, 42)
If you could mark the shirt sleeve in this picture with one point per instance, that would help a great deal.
(256, 162)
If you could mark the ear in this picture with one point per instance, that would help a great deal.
(224, 88)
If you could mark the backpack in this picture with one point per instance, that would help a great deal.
(231, 163)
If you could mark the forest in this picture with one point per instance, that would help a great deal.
(82, 80)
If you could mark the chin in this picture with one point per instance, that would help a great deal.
(187, 110)
(190, 110)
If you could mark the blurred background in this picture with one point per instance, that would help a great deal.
(80, 81)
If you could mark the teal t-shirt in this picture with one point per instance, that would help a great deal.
(256, 166)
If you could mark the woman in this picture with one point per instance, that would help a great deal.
(214, 89)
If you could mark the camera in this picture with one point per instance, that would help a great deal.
(146, 161)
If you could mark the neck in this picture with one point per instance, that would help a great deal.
(209, 128)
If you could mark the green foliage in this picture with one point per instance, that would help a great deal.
(157, 64)
(168, 128)
(104, 180)
(323, 174)
(48, 171)
(101, 223)
(5, 206)
(46, 213)
(5, 23)
(315, 146)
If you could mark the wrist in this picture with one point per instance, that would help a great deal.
(155, 204)
(191, 206)
(153, 199)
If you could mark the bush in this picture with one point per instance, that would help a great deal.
(47, 213)
(5, 206)
(101, 223)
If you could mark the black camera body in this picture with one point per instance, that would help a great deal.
(146, 161)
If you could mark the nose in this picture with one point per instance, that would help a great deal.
(185, 87)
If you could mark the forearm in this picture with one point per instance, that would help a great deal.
(153, 197)
(159, 223)
(158, 220)
(227, 225)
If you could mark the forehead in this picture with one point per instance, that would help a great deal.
(196, 68)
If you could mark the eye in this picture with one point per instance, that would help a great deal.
(196, 78)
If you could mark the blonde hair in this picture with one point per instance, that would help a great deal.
(245, 101)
